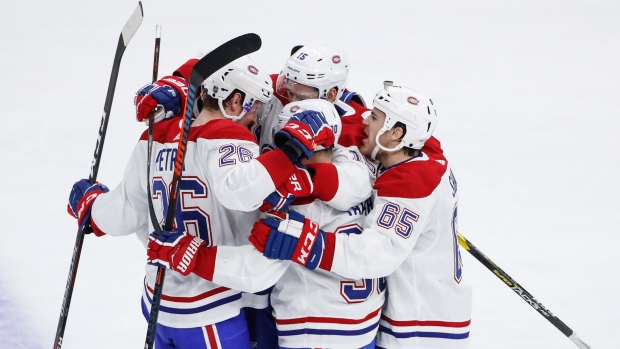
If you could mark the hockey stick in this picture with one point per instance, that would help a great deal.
(151, 121)
(526, 296)
(127, 33)
(205, 67)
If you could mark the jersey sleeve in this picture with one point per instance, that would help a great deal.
(345, 182)
(241, 179)
(124, 210)
(392, 229)
(241, 268)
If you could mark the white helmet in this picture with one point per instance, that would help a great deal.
(319, 105)
(412, 108)
(319, 66)
(244, 75)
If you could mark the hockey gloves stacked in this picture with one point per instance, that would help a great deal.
(299, 184)
(168, 93)
(174, 250)
(81, 199)
(294, 238)
(302, 133)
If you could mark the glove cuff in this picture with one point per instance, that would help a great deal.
(205, 262)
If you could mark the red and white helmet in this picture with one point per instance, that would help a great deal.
(318, 65)
(318, 105)
(242, 74)
(412, 108)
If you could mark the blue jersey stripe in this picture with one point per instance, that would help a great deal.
(319, 331)
(200, 309)
(424, 334)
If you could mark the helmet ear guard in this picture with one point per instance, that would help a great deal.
(243, 75)
(410, 107)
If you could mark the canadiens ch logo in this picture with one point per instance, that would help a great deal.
(412, 100)
(294, 108)
(252, 69)
(336, 59)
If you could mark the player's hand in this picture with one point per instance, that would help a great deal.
(299, 184)
(168, 93)
(81, 199)
(323, 133)
(294, 238)
(303, 132)
(174, 250)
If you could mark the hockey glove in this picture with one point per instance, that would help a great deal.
(168, 93)
(302, 133)
(299, 184)
(323, 133)
(81, 199)
(293, 238)
(174, 250)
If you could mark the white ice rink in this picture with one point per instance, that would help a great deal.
(527, 93)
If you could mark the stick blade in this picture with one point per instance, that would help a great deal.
(223, 55)
(132, 25)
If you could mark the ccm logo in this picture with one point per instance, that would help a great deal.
(308, 243)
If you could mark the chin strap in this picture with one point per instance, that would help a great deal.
(233, 118)
(378, 145)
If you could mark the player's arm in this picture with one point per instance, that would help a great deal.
(345, 182)
(124, 210)
(391, 232)
(241, 268)
(117, 212)
(242, 179)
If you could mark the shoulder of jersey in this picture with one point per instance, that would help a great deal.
(222, 129)
(414, 179)
(165, 131)
(432, 148)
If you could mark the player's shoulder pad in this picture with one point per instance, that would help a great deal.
(223, 129)
(164, 131)
(413, 179)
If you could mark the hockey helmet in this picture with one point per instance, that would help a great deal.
(412, 108)
(319, 66)
(242, 74)
(319, 105)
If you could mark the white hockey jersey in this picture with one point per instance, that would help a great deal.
(311, 308)
(319, 309)
(221, 188)
(410, 237)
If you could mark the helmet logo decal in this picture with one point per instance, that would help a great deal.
(252, 69)
(336, 59)
(294, 108)
(412, 100)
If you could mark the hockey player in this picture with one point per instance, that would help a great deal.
(409, 237)
(224, 182)
(331, 67)
(312, 309)
(315, 71)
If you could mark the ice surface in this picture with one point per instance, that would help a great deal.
(527, 94)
